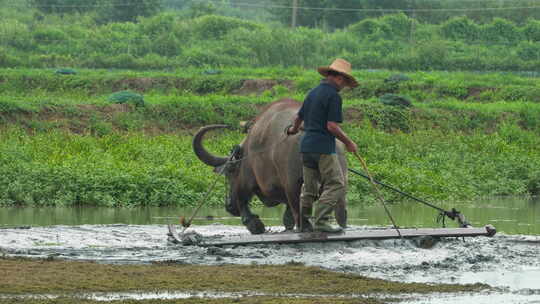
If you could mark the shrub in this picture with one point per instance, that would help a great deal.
(117, 11)
(528, 50)
(500, 31)
(460, 28)
(49, 35)
(531, 30)
(199, 56)
(214, 27)
(395, 100)
(396, 26)
(432, 55)
(126, 61)
(365, 28)
(126, 97)
(7, 60)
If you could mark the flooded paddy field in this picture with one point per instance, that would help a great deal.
(509, 262)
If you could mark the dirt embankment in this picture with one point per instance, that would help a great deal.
(198, 85)
(83, 118)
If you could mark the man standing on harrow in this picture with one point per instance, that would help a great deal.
(321, 114)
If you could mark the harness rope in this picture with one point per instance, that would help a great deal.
(453, 214)
(378, 192)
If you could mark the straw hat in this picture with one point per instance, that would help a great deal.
(343, 67)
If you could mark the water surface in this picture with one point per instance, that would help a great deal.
(508, 215)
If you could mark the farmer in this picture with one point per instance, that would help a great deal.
(321, 114)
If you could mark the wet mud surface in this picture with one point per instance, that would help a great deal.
(509, 262)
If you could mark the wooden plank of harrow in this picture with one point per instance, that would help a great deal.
(374, 234)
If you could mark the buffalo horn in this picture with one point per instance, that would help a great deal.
(200, 151)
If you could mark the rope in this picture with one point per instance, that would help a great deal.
(453, 214)
(204, 198)
(378, 192)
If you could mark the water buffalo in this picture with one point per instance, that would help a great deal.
(267, 164)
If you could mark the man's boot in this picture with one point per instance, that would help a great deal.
(322, 214)
(306, 215)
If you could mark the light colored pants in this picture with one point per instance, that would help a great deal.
(328, 175)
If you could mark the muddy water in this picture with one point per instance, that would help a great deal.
(510, 260)
(508, 215)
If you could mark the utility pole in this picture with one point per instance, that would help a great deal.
(294, 13)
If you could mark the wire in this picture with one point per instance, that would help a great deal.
(371, 9)
(256, 5)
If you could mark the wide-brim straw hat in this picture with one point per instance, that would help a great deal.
(342, 67)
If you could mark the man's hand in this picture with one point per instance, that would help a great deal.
(294, 127)
(291, 130)
(351, 147)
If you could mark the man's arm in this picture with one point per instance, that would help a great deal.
(295, 127)
(334, 128)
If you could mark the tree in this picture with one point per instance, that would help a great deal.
(333, 17)
(64, 6)
(128, 10)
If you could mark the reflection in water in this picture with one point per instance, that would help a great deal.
(508, 215)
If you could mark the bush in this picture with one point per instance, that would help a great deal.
(215, 27)
(49, 36)
(395, 100)
(117, 11)
(365, 28)
(531, 30)
(500, 31)
(396, 26)
(7, 60)
(528, 51)
(432, 55)
(200, 56)
(127, 97)
(460, 28)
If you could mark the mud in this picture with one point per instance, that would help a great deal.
(508, 262)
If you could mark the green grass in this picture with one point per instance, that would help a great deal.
(41, 276)
(65, 144)
(135, 169)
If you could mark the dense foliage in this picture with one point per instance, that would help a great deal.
(176, 40)
(63, 143)
(84, 133)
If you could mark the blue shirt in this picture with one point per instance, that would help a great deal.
(322, 104)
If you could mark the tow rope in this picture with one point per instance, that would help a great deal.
(378, 192)
(453, 214)
(204, 198)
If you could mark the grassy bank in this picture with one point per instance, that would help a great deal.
(23, 276)
(420, 86)
(63, 143)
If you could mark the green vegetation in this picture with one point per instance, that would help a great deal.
(171, 39)
(22, 276)
(62, 142)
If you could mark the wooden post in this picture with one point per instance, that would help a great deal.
(294, 13)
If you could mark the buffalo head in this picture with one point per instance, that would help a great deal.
(220, 164)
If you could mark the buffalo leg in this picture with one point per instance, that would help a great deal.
(288, 218)
(232, 208)
(293, 208)
(251, 221)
